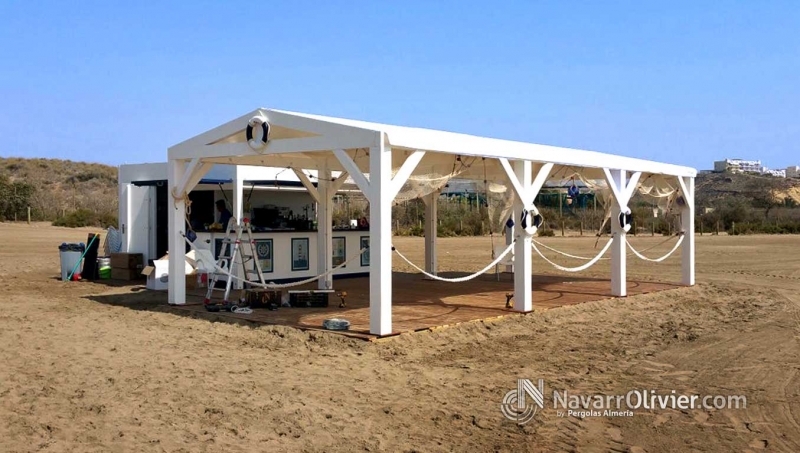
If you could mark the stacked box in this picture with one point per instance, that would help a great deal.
(126, 266)
(311, 298)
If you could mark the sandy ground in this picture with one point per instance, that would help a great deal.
(81, 375)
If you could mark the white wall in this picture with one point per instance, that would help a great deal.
(282, 252)
(136, 203)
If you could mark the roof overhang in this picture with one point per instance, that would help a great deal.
(303, 141)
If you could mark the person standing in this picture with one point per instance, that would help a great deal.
(224, 214)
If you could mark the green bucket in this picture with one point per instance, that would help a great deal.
(104, 267)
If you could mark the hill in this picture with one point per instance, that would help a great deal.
(59, 187)
(755, 190)
(80, 193)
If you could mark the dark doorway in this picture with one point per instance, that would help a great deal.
(162, 225)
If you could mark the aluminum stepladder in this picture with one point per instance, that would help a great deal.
(232, 255)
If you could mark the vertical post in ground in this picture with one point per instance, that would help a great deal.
(618, 258)
(523, 261)
(324, 228)
(176, 208)
(380, 217)
(431, 226)
(687, 225)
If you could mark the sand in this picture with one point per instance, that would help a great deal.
(81, 375)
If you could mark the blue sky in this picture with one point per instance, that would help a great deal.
(681, 82)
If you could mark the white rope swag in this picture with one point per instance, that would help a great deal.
(657, 260)
(582, 267)
(225, 272)
(577, 257)
(458, 279)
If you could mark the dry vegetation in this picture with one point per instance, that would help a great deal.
(61, 187)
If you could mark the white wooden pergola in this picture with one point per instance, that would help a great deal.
(380, 158)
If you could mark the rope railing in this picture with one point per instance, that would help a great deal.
(225, 272)
(656, 260)
(577, 257)
(458, 279)
(581, 267)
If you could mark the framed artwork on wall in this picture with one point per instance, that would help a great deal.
(339, 251)
(300, 254)
(364, 244)
(264, 253)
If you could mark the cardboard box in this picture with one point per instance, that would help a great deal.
(197, 280)
(125, 274)
(127, 260)
(158, 274)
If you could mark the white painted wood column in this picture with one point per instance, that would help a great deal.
(380, 247)
(324, 228)
(687, 225)
(431, 227)
(619, 284)
(176, 209)
(237, 199)
(523, 261)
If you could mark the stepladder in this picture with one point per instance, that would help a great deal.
(237, 261)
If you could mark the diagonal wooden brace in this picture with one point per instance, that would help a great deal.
(350, 167)
(622, 187)
(527, 189)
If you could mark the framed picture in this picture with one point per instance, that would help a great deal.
(339, 251)
(264, 254)
(299, 254)
(364, 244)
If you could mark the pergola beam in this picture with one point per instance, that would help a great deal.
(350, 167)
(304, 179)
(337, 183)
(405, 172)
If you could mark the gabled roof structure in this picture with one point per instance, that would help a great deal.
(381, 159)
(299, 138)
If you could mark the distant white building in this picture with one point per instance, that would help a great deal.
(737, 166)
(776, 173)
(793, 172)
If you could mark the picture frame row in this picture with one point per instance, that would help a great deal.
(300, 252)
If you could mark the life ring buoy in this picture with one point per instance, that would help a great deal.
(254, 122)
(532, 226)
(625, 220)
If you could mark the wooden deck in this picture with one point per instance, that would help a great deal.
(420, 304)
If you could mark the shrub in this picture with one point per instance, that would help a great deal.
(86, 217)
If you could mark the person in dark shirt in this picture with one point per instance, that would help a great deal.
(224, 214)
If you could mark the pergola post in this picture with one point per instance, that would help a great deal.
(618, 257)
(380, 236)
(237, 199)
(523, 260)
(237, 210)
(618, 183)
(176, 209)
(687, 225)
(324, 227)
(431, 227)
